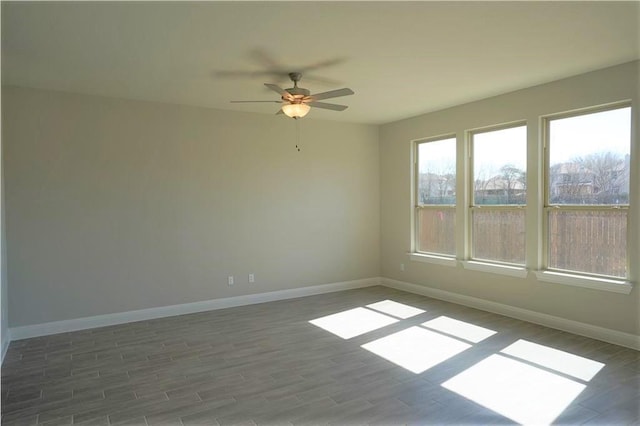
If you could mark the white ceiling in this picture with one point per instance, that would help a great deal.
(401, 58)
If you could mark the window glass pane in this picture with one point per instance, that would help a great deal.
(499, 166)
(499, 235)
(437, 172)
(589, 158)
(436, 230)
(589, 241)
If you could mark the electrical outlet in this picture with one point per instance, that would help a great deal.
(230, 279)
(252, 278)
(402, 266)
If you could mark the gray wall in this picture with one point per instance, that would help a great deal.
(116, 205)
(610, 310)
(4, 299)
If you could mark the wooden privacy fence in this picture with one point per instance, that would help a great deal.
(499, 235)
(589, 241)
(436, 230)
(580, 240)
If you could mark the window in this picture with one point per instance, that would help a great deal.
(498, 199)
(587, 192)
(436, 196)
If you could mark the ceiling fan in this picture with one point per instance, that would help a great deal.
(297, 101)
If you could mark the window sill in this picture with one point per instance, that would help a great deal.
(430, 258)
(513, 271)
(604, 284)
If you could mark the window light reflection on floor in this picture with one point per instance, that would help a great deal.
(519, 391)
(563, 362)
(396, 309)
(416, 349)
(353, 322)
(460, 329)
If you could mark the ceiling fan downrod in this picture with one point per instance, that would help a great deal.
(295, 77)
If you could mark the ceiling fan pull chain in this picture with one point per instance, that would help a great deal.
(297, 133)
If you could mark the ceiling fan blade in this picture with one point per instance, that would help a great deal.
(269, 66)
(265, 58)
(250, 74)
(324, 105)
(279, 89)
(243, 102)
(309, 78)
(324, 64)
(274, 75)
(332, 94)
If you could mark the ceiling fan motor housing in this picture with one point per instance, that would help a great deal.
(298, 94)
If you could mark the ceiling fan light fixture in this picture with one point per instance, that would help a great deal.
(296, 110)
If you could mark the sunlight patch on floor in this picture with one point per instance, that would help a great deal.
(396, 309)
(460, 329)
(353, 322)
(416, 349)
(521, 392)
(563, 362)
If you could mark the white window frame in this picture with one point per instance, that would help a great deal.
(424, 256)
(491, 265)
(570, 277)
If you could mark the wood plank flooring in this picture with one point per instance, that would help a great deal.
(267, 364)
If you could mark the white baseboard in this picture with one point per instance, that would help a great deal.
(607, 335)
(599, 333)
(45, 329)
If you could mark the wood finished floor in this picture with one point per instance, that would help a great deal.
(266, 364)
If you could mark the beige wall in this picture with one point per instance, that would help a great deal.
(605, 309)
(4, 299)
(115, 205)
